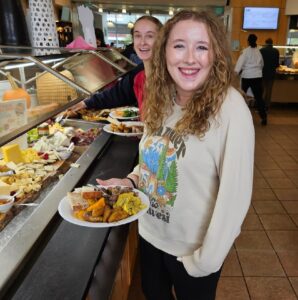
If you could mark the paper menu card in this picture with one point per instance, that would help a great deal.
(13, 115)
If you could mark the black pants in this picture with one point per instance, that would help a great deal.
(161, 272)
(256, 85)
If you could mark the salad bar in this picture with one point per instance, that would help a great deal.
(51, 152)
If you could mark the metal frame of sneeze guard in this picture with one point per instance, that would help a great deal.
(52, 70)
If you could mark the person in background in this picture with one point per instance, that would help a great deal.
(294, 63)
(271, 62)
(196, 160)
(250, 66)
(129, 90)
(100, 39)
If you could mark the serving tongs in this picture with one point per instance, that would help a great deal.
(22, 204)
(26, 204)
(62, 117)
(7, 173)
(113, 121)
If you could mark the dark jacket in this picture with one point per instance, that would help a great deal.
(271, 61)
(128, 51)
(121, 94)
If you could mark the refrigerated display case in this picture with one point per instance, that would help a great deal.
(41, 255)
(285, 85)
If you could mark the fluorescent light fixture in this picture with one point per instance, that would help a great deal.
(285, 47)
(171, 12)
(100, 10)
(124, 10)
(18, 66)
(29, 64)
(147, 12)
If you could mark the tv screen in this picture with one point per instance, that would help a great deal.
(260, 18)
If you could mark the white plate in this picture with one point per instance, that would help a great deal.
(115, 116)
(107, 128)
(66, 213)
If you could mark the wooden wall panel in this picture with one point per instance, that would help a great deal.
(242, 3)
(279, 36)
(62, 2)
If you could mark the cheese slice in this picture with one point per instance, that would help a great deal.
(12, 153)
(6, 190)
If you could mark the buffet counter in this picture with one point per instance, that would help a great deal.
(285, 88)
(62, 262)
(41, 255)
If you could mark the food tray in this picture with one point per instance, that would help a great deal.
(79, 123)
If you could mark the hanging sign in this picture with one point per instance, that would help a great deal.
(86, 19)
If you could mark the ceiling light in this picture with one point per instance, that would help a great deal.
(147, 12)
(130, 24)
(110, 24)
(171, 12)
(100, 10)
(124, 10)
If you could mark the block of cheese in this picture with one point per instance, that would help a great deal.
(6, 189)
(12, 153)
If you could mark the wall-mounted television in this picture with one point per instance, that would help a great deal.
(264, 18)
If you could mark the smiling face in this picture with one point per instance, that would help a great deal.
(144, 36)
(189, 57)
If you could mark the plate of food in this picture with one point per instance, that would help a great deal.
(90, 115)
(94, 115)
(125, 128)
(103, 206)
(125, 113)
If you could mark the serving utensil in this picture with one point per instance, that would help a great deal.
(26, 204)
(113, 121)
(61, 118)
(7, 173)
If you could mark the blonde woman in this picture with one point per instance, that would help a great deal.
(196, 160)
(129, 90)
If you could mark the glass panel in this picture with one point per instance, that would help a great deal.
(90, 71)
(117, 58)
(28, 93)
(117, 27)
(50, 85)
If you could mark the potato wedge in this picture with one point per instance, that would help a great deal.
(107, 212)
(117, 215)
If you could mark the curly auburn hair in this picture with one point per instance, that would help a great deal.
(207, 99)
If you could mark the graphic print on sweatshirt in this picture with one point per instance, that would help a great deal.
(158, 171)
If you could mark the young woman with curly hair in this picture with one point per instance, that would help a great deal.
(196, 160)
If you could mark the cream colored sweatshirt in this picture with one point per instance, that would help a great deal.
(199, 190)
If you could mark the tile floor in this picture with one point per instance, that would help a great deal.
(263, 263)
